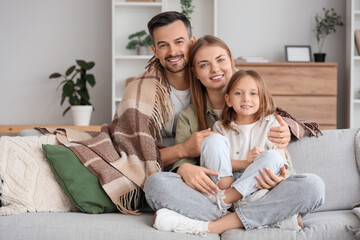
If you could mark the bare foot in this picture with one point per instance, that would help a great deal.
(155, 219)
(300, 222)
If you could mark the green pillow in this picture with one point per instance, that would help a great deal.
(81, 186)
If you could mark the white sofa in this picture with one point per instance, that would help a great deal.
(331, 156)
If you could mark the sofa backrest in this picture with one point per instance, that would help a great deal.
(331, 157)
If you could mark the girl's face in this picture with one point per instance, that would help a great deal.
(244, 99)
(212, 66)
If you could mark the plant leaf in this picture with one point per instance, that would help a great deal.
(82, 64)
(70, 70)
(66, 110)
(55, 75)
(90, 79)
(90, 65)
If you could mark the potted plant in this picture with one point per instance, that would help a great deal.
(75, 89)
(325, 25)
(139, 41)
(187, 8)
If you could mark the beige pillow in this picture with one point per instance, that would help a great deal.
(29, 184)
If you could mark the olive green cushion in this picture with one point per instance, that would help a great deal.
(81, 186)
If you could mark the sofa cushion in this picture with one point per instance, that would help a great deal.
(331, 225)
(28, 184)
(332, 157)
(75, 226)
(82, 187)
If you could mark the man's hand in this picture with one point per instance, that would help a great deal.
(195, 177)
(269, 179)
(281, 134)
(193, 144)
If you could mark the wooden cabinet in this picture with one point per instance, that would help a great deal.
(308, 91)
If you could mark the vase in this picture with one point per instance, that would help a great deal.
(319, 57)
(81, 114)
(142, 50)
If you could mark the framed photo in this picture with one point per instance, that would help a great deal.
(298, 53)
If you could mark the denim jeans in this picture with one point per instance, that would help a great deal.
(300, 193)
(215, 155)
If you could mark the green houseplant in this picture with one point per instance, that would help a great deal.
(325, 25)
(140, 41)
(187, 8)
(74, 86)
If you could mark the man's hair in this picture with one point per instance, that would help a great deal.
(166, 18)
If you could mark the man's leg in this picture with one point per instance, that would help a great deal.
(168, 190)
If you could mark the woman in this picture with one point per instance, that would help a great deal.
(212, 63)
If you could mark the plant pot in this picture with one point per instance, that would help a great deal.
(142, 50)
(81, 114)
(319, 57)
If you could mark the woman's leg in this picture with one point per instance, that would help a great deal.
(215, 155)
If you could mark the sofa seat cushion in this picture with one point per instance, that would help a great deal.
(320, 225)
(77, 226)
(331, 157)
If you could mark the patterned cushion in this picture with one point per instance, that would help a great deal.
(29, 185)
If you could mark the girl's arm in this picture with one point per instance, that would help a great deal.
(239, 165)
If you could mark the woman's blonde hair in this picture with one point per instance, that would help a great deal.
(266, 102)
(197, 89)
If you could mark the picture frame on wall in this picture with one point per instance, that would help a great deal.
(298, 53)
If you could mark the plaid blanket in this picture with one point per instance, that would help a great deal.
(125, 153)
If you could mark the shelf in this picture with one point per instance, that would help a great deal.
(138, 4)
(357, 58)
(117, 99)
(357, 101)
(136, 57)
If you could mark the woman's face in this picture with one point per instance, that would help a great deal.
(212, 66)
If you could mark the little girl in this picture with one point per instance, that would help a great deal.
(245, 149)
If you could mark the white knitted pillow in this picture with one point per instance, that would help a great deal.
(29, 184)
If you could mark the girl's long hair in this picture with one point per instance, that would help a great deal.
(266, 103)
(197, 90)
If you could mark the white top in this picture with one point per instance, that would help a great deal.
(244, 147)
(179, 99)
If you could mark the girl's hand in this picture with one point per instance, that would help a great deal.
(280, 135)
(269, 179)
(195, 177)
(252, 155)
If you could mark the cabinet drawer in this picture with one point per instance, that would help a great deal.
(319, 109)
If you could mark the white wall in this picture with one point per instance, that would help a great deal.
(263, 28)
(39, 37)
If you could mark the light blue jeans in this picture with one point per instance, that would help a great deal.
(215, 155)
(298, 194)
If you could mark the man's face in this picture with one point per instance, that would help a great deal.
(171, 46)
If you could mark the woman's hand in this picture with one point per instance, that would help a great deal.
(193, 144)
(195, 177)
(269, 179)
(280, 135)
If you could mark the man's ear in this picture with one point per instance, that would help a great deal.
(227, 100)
(154, 50)
(192, 40)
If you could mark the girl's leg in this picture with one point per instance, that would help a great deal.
(245, 185)
(215, 155)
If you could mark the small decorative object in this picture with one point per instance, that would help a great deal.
(139, 41)
(298, 53)
(187, 8)
(357, 40)
(325, 25)
(77, 92)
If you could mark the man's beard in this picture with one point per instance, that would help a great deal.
(171, 68)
